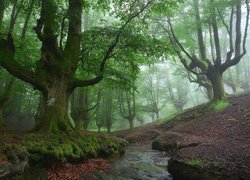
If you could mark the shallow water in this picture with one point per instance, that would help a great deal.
(140, 163)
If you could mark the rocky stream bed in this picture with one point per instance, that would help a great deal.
(138, 162)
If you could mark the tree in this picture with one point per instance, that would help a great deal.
(55, 72)
(79, 108)
(153, 91)
(214, 68)
(5, 92)
(178, 93)
(108, 107)
(127, 106)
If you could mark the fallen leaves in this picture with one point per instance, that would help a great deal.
(2, 161)
(75, 172)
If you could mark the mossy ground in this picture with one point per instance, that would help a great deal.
(45, 149)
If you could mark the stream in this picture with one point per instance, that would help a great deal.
(138, 163)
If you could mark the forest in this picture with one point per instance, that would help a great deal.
(89, 86)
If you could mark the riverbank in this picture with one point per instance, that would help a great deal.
(19, 151)
(205, 142)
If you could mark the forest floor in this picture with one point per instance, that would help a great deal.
(26, 155)
(202, 142)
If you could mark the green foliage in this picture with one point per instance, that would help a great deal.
(132, 50)
(218, 106)
(196, 163)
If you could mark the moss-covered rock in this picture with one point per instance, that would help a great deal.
(184, 170)
(44, 149)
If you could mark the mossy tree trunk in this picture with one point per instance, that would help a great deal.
(55, 115)
(236, 50)
(215, 77)
(55, 72)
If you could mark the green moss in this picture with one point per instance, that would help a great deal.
(46, 149)
(218, 106)
(196, 163)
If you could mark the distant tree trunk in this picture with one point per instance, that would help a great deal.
(128, 113)
(4, 97)
(85, 114)
(109, 111)
(152, 116)
(1, 115)
(1, 13)
(27, 19)
(108, 129)
(14, 14)
(209, 91)
(231, 82)
(131, 124)
(99, 118)
(40, 111)
(157, 114)
(79, 108)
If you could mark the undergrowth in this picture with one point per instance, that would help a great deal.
(196, 163)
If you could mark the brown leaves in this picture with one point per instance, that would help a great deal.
(74, 172)
(2, 161)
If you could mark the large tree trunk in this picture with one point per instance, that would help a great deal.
(218, 88)
(55, 117)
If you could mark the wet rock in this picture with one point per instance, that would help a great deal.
(182, 171)
(140, 163)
